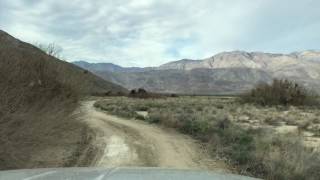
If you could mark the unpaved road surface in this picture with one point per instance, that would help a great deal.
(127, 143)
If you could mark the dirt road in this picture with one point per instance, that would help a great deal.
(127, 143)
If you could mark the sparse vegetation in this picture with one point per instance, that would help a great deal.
(51, 49)
(235, 132)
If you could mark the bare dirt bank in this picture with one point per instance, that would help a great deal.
(122, 142)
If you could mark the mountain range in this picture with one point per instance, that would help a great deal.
(224, 73)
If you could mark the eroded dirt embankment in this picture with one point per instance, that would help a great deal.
(122, 142)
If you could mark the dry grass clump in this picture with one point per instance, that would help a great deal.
(285, 157)
(274, 121)
(257, 152)
(280, 92)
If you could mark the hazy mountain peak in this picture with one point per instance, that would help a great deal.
(184, 64)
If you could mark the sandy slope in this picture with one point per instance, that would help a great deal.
(135, 143)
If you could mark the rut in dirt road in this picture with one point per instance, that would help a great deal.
(133, 143)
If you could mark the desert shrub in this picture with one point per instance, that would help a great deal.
(139, 93)
(304, 125)
(275, 158)
(285, 157)
(174, 95)
(141, 107)
(139, 117)
(122, 111)
(273, 121)
(258, 153)
(143, 94)
(231, 141)
(154, 117)
(219, 106)
(242, 145)
(280, 92)
(189, 124)
(316, 120)
(199, 108)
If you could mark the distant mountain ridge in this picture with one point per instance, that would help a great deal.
(107, 67)
(242, 59)
(219, 73)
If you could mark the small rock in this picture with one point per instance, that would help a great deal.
(244, 118)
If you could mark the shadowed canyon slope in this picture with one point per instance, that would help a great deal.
(38, 93)
(224, 73)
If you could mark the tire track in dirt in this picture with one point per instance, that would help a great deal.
(134, 143)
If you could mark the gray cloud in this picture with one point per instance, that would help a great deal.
(151, 32)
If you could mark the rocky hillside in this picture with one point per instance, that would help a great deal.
(227, 72)
(38, 93)
(241, 59)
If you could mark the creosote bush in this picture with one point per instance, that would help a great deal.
(280, 92)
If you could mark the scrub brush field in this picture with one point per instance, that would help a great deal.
(271, 142)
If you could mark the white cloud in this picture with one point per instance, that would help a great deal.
(152, 32)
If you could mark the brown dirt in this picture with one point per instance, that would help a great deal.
(123, 142)
(41, 138)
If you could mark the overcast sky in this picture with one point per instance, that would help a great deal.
(152, 32)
